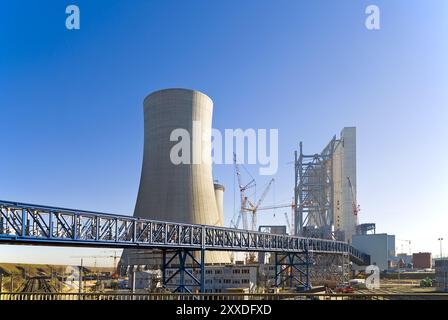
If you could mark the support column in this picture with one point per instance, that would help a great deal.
(202, 266)
(277, 271)
(163, 267)
(293, 267)
(182, 272)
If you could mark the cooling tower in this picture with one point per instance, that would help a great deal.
(178, 192)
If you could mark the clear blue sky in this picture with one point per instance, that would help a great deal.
(71, 101)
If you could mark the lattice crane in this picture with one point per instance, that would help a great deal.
(254, 207)
(279, 206)
(243, 197)
(355, 206)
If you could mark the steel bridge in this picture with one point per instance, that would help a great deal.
(23, 224)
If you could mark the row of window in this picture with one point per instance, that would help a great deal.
(235, 271)
(226, 281)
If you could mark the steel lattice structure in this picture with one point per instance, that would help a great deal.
(22, 223)
(314, 192)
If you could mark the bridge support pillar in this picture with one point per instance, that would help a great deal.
(183, 266)
(292, 269)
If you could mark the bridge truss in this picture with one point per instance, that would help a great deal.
(22, 223)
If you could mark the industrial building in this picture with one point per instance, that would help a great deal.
(187, 192)
(380, 247)
(219, 278)
(344, 179)
(325, 189)
(403, 260)
(422, 260)
(441, 266)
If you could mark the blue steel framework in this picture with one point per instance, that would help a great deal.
(294, 267)
(314, 192)
(22, 223)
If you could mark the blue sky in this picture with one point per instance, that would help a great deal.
(72, 115)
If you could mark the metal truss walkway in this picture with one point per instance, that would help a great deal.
(22, 223)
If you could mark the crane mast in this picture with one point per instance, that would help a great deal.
(355, 206)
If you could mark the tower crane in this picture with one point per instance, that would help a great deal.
(355, 205)
(285, 205)
(114, 256)
(287, 222)
(254, 207)
(247, 206)
(409, 245)
(243, 197)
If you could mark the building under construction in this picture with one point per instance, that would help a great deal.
(325, 189)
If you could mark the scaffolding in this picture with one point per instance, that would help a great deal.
(314, 192)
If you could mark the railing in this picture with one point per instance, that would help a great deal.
(26, 223)
(220, 296)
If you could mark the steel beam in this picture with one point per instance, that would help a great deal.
(68, 227)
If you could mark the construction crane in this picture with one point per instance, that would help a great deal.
(253, 210)
(247, 206)
(409, 245)
(243, 197)
(285, 205)
(355, 205)
(114, 256)
(287, 222)
(254, 207)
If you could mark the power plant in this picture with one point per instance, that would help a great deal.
(177, 242)
(209, 152)
(184, 190)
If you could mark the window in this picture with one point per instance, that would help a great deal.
(245, 281)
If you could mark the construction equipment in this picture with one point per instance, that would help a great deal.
(254, 207)
(344, 288)
(247, 206)
(114, 256)
(402, 245)
(244, 199)
(286, 205)
(287, 223)
(355, 205)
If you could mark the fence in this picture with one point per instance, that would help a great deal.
(221, 296)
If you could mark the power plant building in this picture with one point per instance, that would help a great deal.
(380, 247)
(325, 190)
(344, 181)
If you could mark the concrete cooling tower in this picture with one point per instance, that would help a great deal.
(219, 196)
(179, 192)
